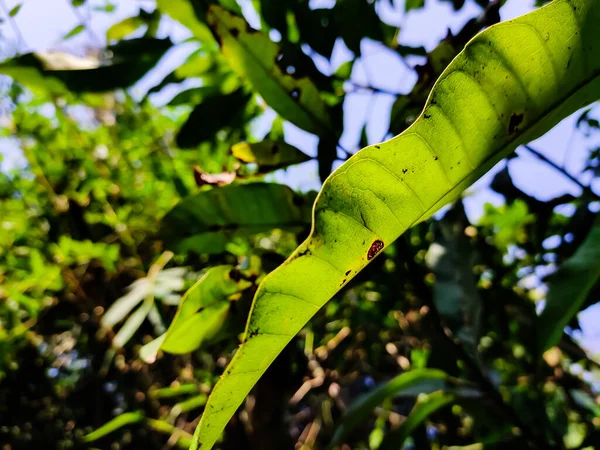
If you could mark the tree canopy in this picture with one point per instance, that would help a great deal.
(166, 279)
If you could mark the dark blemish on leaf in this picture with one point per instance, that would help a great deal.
(343, 282)
(451, 167)
(375, 249)
(427, 116)
(235, 32)
(435, 158)
(253, 333)
(295, 93)
(348, 273)
(235, 275)
(363, 219)
(404, 171)
(515, 121)
(377, 147)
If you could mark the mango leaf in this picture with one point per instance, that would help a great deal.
(569, 288)
(128, 25)
(185, 12)
(201, 313)
(425, 406)
(511, 84)
(252, 55)
(211, 115)
(269, 155)
(207, 221)
(126, 62)
(426, 380)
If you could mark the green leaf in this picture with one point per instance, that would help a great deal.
(185, 12)
(269, 155)
(201, 313)
(252, 55)
(57, 72)
(123, 28)
(207, 221)
(510, 84)
(423, 409)
(74, 32)
(569, 287)
(425, 380)
(118, 422)
(14, 11)
(413, 4)
(211, 115)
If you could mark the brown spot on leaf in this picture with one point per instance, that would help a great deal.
(376, 247)
(348, 273)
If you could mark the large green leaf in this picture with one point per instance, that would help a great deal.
(252, 55)
(510, 84)
(126, 63)
(201, 313)
(569, 288)
(206, 222)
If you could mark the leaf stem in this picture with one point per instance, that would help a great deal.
(586, 189)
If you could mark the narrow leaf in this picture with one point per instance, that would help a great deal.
(252, 55)
(118, 422)
(74, 32)
(269, 155)
(422, 410)
(511, 84)
(14, 11)
(427, 380)
(132, 324)
(569, 287)
(58, 72)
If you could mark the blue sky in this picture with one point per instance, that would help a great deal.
(43, 23)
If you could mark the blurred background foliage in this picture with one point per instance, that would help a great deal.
(135, 234)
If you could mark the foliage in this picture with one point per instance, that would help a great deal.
(139, 228)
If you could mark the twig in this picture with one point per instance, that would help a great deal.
(370, 88)
(586, 189)
(13, 23)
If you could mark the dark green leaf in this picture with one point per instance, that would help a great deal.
(269, 155)
(424, 380)
(413, 4)
(206, 222)
(211, 115)
(425, 406)
(126, 63)
(569, 288)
